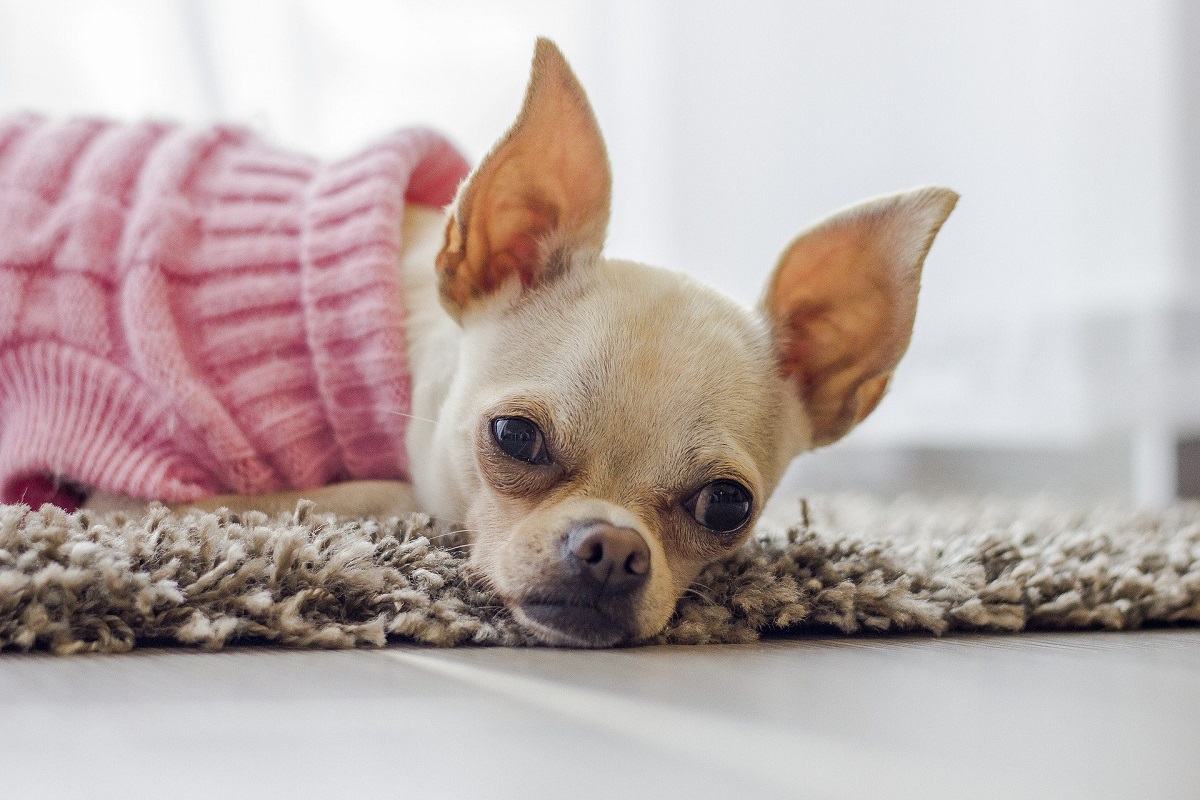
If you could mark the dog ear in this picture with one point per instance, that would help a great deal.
(540, 196)
(842, 300)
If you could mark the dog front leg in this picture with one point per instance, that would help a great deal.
(349, 499)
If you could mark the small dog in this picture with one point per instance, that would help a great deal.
(602, 428)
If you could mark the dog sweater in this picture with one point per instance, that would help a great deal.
(193, 312)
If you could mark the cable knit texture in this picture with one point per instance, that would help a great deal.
(191, 312)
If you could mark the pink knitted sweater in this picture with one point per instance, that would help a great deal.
(185, 313)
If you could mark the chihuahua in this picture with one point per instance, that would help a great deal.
(604, 429)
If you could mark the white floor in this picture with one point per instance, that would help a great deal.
(1091, 715)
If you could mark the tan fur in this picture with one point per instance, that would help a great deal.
(646, 384)
(843, 299)
(548, 175)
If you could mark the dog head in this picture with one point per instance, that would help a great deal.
(617, 426)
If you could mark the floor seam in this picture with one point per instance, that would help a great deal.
(784, 759)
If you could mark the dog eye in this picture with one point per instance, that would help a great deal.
(721, 506)
(520, 439)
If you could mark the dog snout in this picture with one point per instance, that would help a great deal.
(615, 559)
(589, 598)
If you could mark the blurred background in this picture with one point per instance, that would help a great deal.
(1057, 346)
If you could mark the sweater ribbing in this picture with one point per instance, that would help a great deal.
(185, 313)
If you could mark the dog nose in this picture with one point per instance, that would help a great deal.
(617, 559)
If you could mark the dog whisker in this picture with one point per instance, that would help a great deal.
(414, 416)
(701, 591)
(453, 536)
(477, 580)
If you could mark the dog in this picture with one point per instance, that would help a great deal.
(604, 429)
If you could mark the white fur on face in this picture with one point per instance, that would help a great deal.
(648, 386)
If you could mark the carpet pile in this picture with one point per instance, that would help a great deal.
(85, 582)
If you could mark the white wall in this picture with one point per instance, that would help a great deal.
(1047, 312)
(1053, 119)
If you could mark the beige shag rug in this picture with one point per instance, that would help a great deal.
(80, 582)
